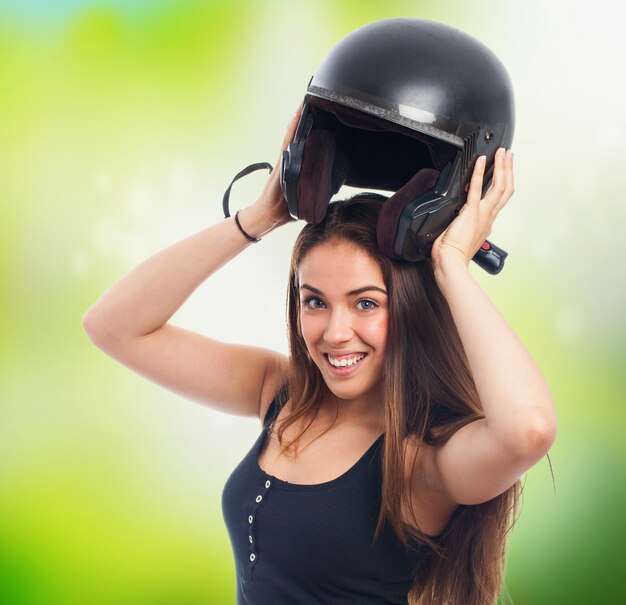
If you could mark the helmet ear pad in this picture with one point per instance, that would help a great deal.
(315, 182)
(391, 210)
(323, 171)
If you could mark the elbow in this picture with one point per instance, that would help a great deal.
(538, 433)
(91, 327)
(95, 327)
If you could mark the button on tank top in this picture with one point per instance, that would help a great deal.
(313, 544)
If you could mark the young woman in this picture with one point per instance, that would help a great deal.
(395, 433)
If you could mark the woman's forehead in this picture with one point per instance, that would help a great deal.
(339, 264)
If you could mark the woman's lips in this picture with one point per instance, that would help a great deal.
(346, 370)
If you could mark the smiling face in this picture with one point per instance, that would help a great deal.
(343, 317)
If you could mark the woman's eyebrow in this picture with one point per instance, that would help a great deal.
(367, 289)
(351, 293)
(307, 287)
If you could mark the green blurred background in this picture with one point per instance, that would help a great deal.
(121, 124)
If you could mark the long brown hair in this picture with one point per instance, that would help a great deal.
(429, 394)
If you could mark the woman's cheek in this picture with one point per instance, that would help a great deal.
(310, 329)
(376, 331)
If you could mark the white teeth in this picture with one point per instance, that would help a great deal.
(346, 361)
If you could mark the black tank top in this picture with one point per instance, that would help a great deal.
(313, 544)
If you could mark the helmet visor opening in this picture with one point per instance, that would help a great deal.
(375, 153)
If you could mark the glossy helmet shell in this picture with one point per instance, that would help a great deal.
(416, 95)
(427, 76)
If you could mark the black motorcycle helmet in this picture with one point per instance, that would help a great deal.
(404, 105)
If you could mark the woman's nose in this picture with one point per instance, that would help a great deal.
(338, 328)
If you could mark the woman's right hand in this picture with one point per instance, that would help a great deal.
(271, 207)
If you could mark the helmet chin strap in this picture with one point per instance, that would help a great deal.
(247, 170)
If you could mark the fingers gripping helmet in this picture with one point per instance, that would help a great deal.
(403, 105)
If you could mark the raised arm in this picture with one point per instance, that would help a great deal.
(486, 457)
(129, 321)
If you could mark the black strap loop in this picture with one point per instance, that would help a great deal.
(242, 173)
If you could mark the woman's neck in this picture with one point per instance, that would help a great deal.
(364, 411)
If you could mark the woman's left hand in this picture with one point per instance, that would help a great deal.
(467, 232)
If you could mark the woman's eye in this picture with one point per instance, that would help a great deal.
(313, 303)
(366, 304)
